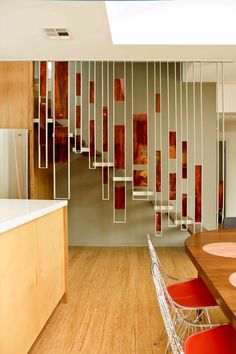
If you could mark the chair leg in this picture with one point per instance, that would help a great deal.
(207, 316)
(167, 347)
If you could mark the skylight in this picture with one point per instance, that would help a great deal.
(172, 22)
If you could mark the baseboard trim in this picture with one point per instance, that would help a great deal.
(124, 244)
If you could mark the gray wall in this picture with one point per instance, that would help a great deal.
(90, 218)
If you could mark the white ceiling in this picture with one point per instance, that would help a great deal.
(22, 38)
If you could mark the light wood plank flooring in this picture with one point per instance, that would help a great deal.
(112, 307)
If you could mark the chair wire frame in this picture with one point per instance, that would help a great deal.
(177, 325)
(199, 313)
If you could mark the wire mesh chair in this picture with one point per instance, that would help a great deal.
(177, 326)
(203, 300)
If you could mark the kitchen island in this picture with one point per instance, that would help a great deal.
(33, 268)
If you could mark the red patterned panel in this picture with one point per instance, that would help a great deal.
(78, 84)
(61, 90)
(43, 124)
(119, 90)
(184, 159)
(140, 139)
(221, 194)
(105, 175)
(78, 142)
(105, 129)
(43, 78)
(172, 181)
(61, 144)
(119, 197)
(91, 143)
(91, 92)
(198, 193)
(172, 145)
(119, 146)
(158, 221)
(184, 205)
(140, 178)
(78, 111)
(158, 103)
(158, 171)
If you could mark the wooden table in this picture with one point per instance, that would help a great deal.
(215, 270)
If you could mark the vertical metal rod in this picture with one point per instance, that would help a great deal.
(223, 144)
(75, 103)
(217, 144)
(181, 141)
(202, 162)
(194, 140)
(108, 132)
(148, 147)
(132, 125)
(114, 117)
(46, 137)
(103, 192)
(168, 139)
(39, 115)
(69, 117)
(155, 141)
(160, 91)
(95, 113)
(186, 97)
(125, 100)
(53, 145)
(81, 111)
(176, 129)
(89, 112)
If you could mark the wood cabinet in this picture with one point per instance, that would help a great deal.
(33, 278)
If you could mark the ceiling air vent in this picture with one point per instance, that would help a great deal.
(57, 33)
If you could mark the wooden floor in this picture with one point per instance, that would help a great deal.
(112, 307)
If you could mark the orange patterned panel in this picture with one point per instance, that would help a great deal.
(158, 103)
(158, 171)
(91, 92)
(198, 193)
(78, 84)
(172, 145)
(184, 159)
(158, 221)
(105, 175)
(119, 146)
(105, 129)
(61, 144)
(184, 205)
(119, 90)
(61, 90)
(78, 112)
(43, 78)
(172, 182)
(42, 124)
(140, 139)
(119, 197)
(140, 178)
(91, 142)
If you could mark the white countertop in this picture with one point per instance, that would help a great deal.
(15, 212)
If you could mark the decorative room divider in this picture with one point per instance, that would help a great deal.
(152, 111)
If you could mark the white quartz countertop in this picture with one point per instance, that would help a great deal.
(16, 212)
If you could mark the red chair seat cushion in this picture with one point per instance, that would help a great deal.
(192, 293)
(219, 340)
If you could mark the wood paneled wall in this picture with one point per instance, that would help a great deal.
(16, 111)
